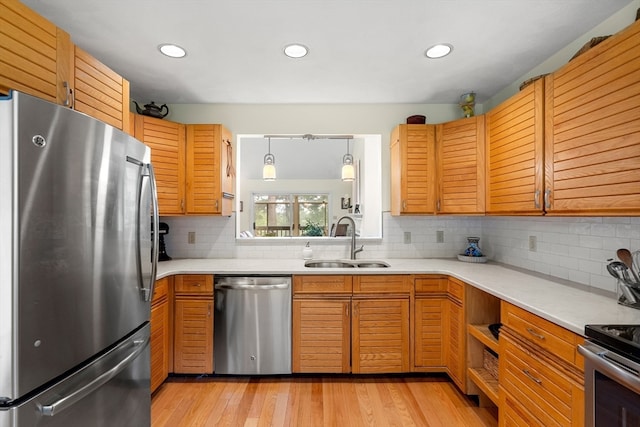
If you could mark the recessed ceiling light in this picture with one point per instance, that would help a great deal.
(172, 50)
(295, 50)
(438, 51)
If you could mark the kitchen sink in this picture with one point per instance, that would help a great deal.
(345, 264)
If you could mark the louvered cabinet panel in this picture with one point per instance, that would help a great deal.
(413, 169)
(203, 169)
(321, 335)
(380, 329)
(461, 166)
(159, 343)
(455, 345)
(193, 336)
(593, 130)
(429, 331)
(28, 51)
(166, 140)
(514, 154)
(100, 92)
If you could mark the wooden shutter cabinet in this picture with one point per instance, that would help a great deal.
(160, 334)
(515, 157)
(461, 166)
(209, 170)
(166, 140)
(593, 130)
(100, 92)
(321, 334)
(380, 328)
(413, 172)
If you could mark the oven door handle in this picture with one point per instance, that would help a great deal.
(603, 361)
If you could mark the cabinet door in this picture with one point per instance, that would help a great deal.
(321, 335)
(413, 169)
(166, 140)
(515, 132)
(455, 345)
(380, 329)
(193, 336)
(461, 166)
(28, 43)
(429, 332)
(100, 92)
(209, 170)
(159, 343)
(592, 147)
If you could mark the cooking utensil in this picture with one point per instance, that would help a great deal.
(619, 271)
(625, 256)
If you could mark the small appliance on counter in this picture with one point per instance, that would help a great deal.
(163, 228)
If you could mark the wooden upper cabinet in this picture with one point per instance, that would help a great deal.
(99, 91)
(166, 140)
(593, 130)
(461, 166)
(515, 156)
(413, 171)
(29, 49)
(209, 170)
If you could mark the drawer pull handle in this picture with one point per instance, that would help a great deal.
(535, 334)
(536, 380)
(197, 284)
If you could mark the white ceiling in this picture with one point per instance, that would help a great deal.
(361, 51)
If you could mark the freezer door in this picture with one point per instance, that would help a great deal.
(77, 259)
(111, 391)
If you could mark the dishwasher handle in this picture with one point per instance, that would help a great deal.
(251, 286)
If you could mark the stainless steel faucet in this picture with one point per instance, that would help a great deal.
(354, 251)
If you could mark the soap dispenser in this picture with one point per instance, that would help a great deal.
(307, 252)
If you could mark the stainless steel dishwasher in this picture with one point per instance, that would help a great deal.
(252, 325)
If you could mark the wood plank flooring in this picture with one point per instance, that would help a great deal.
(428, 401)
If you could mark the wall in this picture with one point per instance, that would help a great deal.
(574, 249)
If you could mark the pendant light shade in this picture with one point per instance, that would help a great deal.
(269, 168)
(348, 173)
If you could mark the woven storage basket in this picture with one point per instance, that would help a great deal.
(588, 45)
(490, 362)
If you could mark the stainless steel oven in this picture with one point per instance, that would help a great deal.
(612, 375)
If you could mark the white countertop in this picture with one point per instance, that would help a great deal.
(567, 306)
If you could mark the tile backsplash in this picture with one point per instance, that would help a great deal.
(574, 249)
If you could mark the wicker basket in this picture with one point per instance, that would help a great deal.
(490, 362)
(588, 45)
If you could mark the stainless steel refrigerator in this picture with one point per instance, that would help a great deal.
(77, 267)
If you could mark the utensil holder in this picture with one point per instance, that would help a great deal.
(628, 294)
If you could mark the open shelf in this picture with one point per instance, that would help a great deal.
(483, 334)
(485, 382)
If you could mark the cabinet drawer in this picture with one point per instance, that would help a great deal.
(546, 392)
(381, 284)
(194, 284)
(322, 285)
(551, 337)
(455, 288)
(430, 284)
(160, 289)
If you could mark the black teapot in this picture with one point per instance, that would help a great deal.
(152, 110)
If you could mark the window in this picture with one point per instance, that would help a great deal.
(286, 215)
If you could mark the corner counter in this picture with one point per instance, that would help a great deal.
(567, 306)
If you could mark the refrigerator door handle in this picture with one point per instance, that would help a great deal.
(65, 402)
(147, 291)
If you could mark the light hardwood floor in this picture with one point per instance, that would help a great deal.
(315, 401)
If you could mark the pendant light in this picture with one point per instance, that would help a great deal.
(269, 168)
(348, 173)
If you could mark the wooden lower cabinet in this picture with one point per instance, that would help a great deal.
(541, 375)
(380, 330)
(535, 387)
(193, 324)
(455, 344)
(322, 335)
(430, 324)
(160, 333)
